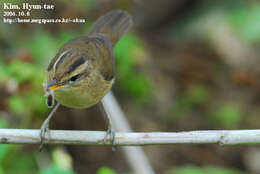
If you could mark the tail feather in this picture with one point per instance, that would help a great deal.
(114, 25)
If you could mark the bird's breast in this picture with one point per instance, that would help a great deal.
(85, 95)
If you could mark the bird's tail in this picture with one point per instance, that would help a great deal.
(114, 25)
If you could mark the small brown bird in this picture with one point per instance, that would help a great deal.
(83, 71)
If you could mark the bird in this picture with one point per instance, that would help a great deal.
(83, 70)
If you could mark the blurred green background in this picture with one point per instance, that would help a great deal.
(185, 65)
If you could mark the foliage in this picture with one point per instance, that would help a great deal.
(86, 4)
(105, 170)
(19, 162)
(246, 20)
(39, 43)
(42, 41)
(12, 161)
(3, 147)
(61, 163)
(194, 96)
(62, 158)
(55, 169)
(203, 170)
(24, 73)
(136, 84)
(226, 115)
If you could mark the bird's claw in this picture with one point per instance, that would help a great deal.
(44, 129)
(110, 134)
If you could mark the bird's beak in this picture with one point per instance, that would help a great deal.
(53, 85)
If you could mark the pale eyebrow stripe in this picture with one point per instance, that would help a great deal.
(60, 59)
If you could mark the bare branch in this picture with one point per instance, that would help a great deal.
(222, 137)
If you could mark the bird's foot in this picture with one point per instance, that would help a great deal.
(44, 129)
(110, 134)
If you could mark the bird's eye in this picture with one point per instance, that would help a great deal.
(74, 78)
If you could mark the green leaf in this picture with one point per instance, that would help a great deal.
(62, 158)
(195, 95)
(188, 170)
(126, 43)
(32, 101)
(3, 123)
(22, 163)
(124, 52)
(226, 115)
(134, 83)
(1, 171)
(198, 94)
(246, 21)
(65, 36)
(86, 4)
(3, 71)
(35, 101)
(3, 151)
(43, 47)
(3, 147)
(17, 105)
(217, 170)
(182, 106)
(203, 170)
(105, 170)
(21, 71)
(53, 168)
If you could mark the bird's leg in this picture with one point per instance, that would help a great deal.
(110, 133)
(45, 126)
